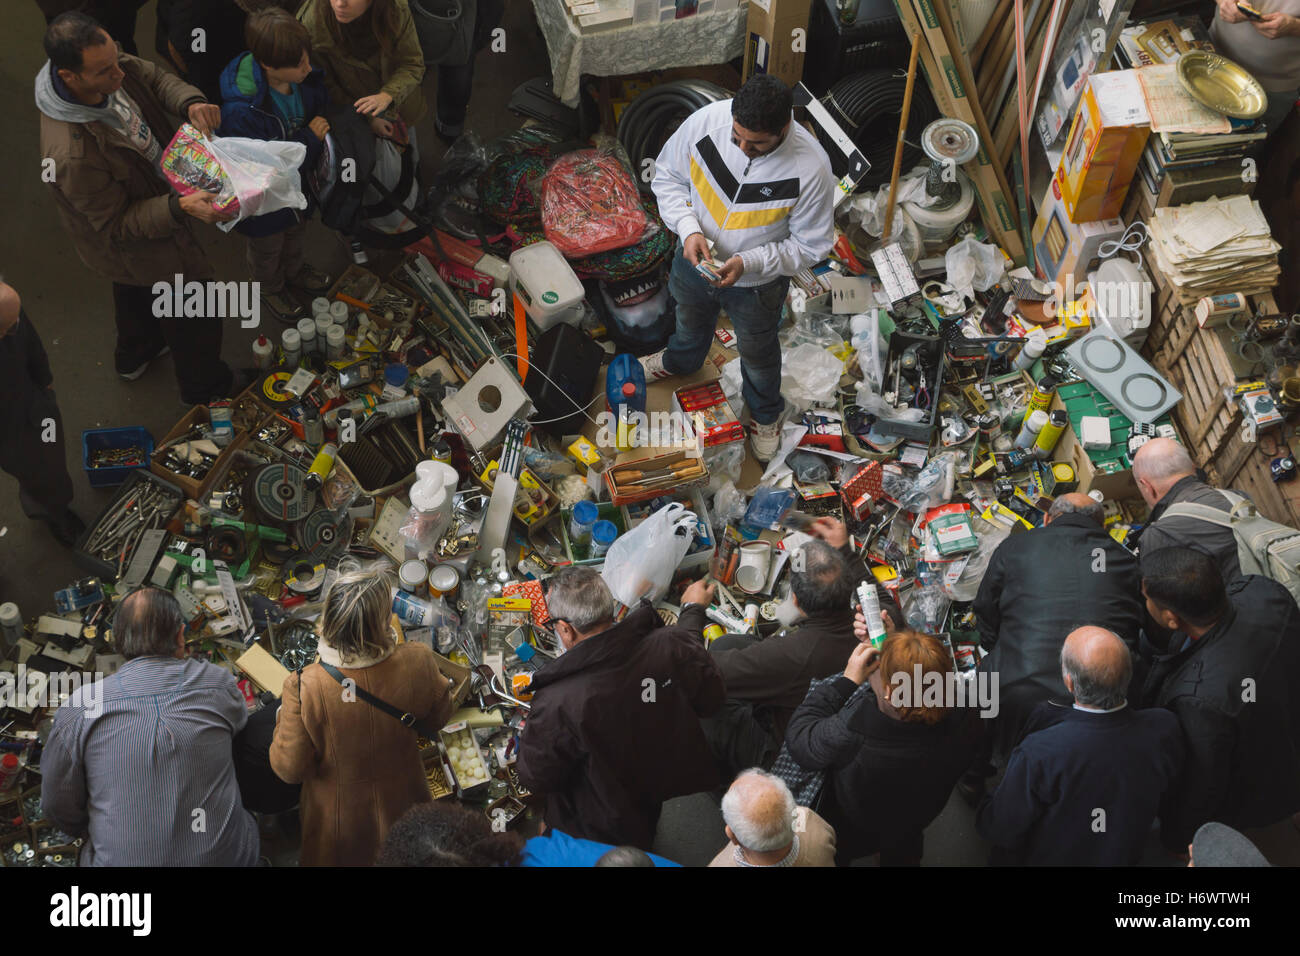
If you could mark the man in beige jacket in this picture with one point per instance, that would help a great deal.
(106, 118)
(765, 828)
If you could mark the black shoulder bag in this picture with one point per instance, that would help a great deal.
(405, 718)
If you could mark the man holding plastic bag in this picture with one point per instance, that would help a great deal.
(105, 118)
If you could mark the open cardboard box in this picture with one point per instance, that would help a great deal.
(1115, 487)
(648, 460)
(195, 488)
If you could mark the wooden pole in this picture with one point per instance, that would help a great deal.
(902, 134)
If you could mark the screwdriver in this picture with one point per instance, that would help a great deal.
(633, 476)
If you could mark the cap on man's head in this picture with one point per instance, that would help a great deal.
(1218, 845)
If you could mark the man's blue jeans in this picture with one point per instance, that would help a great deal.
(756, 315)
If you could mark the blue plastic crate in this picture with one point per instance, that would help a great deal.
(98, 439)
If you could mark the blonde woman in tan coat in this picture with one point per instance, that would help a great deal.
(359, 767)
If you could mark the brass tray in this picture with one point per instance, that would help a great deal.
(1221, 85)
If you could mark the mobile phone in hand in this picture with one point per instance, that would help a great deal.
(1249, 12)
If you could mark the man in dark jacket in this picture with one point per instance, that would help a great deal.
(1229, 677)
(31, 428)
(614, 727)
(1042, 584)
(767, 679)
(1084, 786)
(105, 122)
(1166, 475)
(271, 92)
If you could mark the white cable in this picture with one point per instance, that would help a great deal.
(1134, 238)
(547, 421)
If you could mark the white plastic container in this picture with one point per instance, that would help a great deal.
(546, 284)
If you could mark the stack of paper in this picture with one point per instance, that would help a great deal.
(1220, 245)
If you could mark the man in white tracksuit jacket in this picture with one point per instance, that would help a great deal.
(742, 175)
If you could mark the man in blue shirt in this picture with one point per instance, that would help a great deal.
(142, 767)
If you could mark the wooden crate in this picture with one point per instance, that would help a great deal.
(1198, 363)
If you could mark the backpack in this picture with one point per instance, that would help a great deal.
(1264, 547)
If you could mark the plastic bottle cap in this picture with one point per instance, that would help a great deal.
(261, 340)
(9, 762)
(396, 374)
(629, 389)
(585, 512)
(604, 531)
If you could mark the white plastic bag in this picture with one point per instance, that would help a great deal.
(973, 266)
(263, 174)
(810, 375)
(642, 562)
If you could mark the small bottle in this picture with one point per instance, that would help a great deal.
(313, 429)
(321, 466)
(263, 353)
(11, 768)
(307, 333)
(323, 325)
(1033, 425)
(1031, 351)
(869, 601)
(603, 534)
(320, 305)
(335, 342)
(581, 521)
(339, 313)
(291, 343)
(401, 408)
(363, 327)
(11, 627)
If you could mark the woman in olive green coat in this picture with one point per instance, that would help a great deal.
(371, 55)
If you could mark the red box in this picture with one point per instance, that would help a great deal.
(710, 413)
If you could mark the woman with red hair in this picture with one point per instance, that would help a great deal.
(891, 740)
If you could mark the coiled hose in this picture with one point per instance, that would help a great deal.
(867, 106)
(648, 121)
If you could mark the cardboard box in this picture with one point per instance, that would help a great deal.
(769, 38)
(651, 460)
(195, 488)
(1102, 152)
(1063, 247)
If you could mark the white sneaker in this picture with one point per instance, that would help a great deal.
(653, 365)
(766, 439)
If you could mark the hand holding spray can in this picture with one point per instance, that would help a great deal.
(869, 602)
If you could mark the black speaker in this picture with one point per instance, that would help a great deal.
(874, 39)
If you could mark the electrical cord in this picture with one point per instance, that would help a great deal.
(1134, 238)
(644, 125)
(868, 106)
(558, 418)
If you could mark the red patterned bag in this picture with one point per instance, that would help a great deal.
(590, 204)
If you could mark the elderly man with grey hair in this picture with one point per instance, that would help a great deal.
(1040, 585)
(614, 728)
(1085, 785)
(765, 828)
(767, 679)
(146, 773)
(1166, 476)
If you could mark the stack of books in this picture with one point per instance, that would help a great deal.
(1182, 151)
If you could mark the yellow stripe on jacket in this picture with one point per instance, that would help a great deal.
(717, 206)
